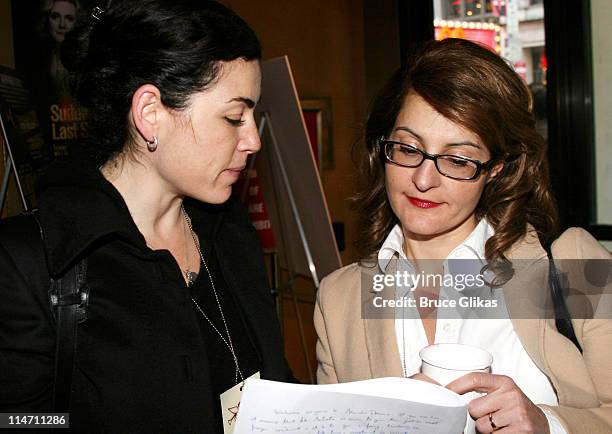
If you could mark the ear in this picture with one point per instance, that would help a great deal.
(495, 170)
(146, 111)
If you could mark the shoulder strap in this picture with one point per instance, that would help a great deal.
(563, 319)
(68, 297)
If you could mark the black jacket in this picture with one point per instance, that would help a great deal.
(141, 364)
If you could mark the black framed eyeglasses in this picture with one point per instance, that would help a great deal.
(451, 166)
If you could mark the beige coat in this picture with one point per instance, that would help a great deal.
(351, 348)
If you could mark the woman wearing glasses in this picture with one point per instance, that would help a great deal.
(454, 168)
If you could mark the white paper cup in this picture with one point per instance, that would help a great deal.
(447, 362)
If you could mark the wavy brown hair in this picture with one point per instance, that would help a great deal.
(477, 89)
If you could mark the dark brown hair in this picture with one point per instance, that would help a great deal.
(477, 89)
(176, 45)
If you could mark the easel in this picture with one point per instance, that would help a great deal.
(265, 124)
(294, 197)
(9, 165)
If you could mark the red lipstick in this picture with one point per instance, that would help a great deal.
(420, 203)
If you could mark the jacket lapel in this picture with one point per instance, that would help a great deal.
(245, 277)
(381, 341)
(383, 354)
(240, 260)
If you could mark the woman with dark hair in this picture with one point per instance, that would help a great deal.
(454, 169)
(175, 307)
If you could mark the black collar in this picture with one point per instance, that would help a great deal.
(79, 208)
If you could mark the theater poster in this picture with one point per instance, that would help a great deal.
(40, 28)
(27, 145)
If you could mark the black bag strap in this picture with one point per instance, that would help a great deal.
(563, 319)
(68, 297)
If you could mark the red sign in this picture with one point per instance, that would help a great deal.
(254, 201)
(312, 125)
(483, 36)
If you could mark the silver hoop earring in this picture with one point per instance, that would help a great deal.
(152, 145)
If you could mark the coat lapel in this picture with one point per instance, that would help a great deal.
(244, 275)
(381, 341)
(243, 270)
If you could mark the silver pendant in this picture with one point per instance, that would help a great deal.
(191, 277)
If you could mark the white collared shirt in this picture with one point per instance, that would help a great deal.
(497, 336)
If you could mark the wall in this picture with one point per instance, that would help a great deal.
(382, 43)
(6, 35)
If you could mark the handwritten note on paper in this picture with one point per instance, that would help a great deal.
(381, 406)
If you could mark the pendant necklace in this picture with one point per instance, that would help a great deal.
(191, 277)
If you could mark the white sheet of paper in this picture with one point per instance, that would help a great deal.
(381, 406)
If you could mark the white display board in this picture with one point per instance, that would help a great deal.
(292, 188)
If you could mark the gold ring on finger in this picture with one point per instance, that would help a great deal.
(491, 422)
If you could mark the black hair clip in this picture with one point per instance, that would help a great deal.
(97, 13)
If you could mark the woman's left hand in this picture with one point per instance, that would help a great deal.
(504, 408)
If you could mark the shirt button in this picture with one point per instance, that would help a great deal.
(446, 328)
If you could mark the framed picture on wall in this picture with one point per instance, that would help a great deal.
(317, 116)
